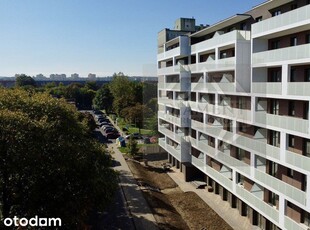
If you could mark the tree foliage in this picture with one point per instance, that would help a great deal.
(49, 165)
(136, 114)
(122, 91)
(103, 99)
(24, 80)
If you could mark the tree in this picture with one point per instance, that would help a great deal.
(24, 80)
(136, 114)
(122, 92)
(49, 164)
(103, 99)
(132, 146)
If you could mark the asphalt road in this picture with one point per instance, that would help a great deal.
(116, 216)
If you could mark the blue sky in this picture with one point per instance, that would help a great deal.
(95, 36)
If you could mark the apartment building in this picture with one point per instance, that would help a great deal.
(234, 109)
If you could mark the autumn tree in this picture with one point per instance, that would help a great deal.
(49, 164)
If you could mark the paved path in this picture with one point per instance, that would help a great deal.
(222, 208)
(137, 205)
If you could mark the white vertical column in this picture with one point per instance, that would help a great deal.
(217, 55)
(252, 164)
(253, 108)
(308, 191)
(283, 145)
(285, 73)
(281, 211)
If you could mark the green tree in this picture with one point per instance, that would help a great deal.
(49, 164)
(24, 80)
(103, 99)
(122, 92)
(137, 114)
(132, 147)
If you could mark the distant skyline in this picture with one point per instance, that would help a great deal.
(95, 36)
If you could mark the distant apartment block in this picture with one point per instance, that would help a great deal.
(233, 103)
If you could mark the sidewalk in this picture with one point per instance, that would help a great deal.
(222, 208)
(137, 205)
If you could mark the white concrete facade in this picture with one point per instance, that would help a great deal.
(230, 106)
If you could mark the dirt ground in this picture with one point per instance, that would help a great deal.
(172, 208)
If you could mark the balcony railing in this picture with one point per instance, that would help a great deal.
(267, 88)
(259, 204)
(170, 134)
(291, 19)
(294, 53)
(297, 160)
(221, 40)
(214, 87)
(298, 88)
(278, 185)
(284, 122)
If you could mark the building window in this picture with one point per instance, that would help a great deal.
(273, 169)
(275, 76)
(306, 151)
(293, 6)
(291, 141)
(307, 38)
(306, 218)
(276, 13)
(274, 138)
(223, 55)
(258, 19)
(274, 107)
(275, 44)
(291, 108)
(307, 75)
(293, 41)
(243, 26)
(290, 172)
(293, 74)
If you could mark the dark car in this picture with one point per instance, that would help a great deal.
(110, 130)
(112, 135)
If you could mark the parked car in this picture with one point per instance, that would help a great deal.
(104, 127)
(104, 123)
(134, 135)
(103, 119)
(110, 129)
(112, 135)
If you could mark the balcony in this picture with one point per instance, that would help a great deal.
(171, 70)
(289, 20)
(259, 204)
(292, 54)
(283, 122)
(170, 134)
(267, 88)
(221, 40)
(278, 185)
(172, 103)
(173, 86)
(297, 160)
(298, 88)
(207, 129)
(239, 114)
(182, 50)
(179, 121)
(214, 65)
(214, 87)
(217, 176)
